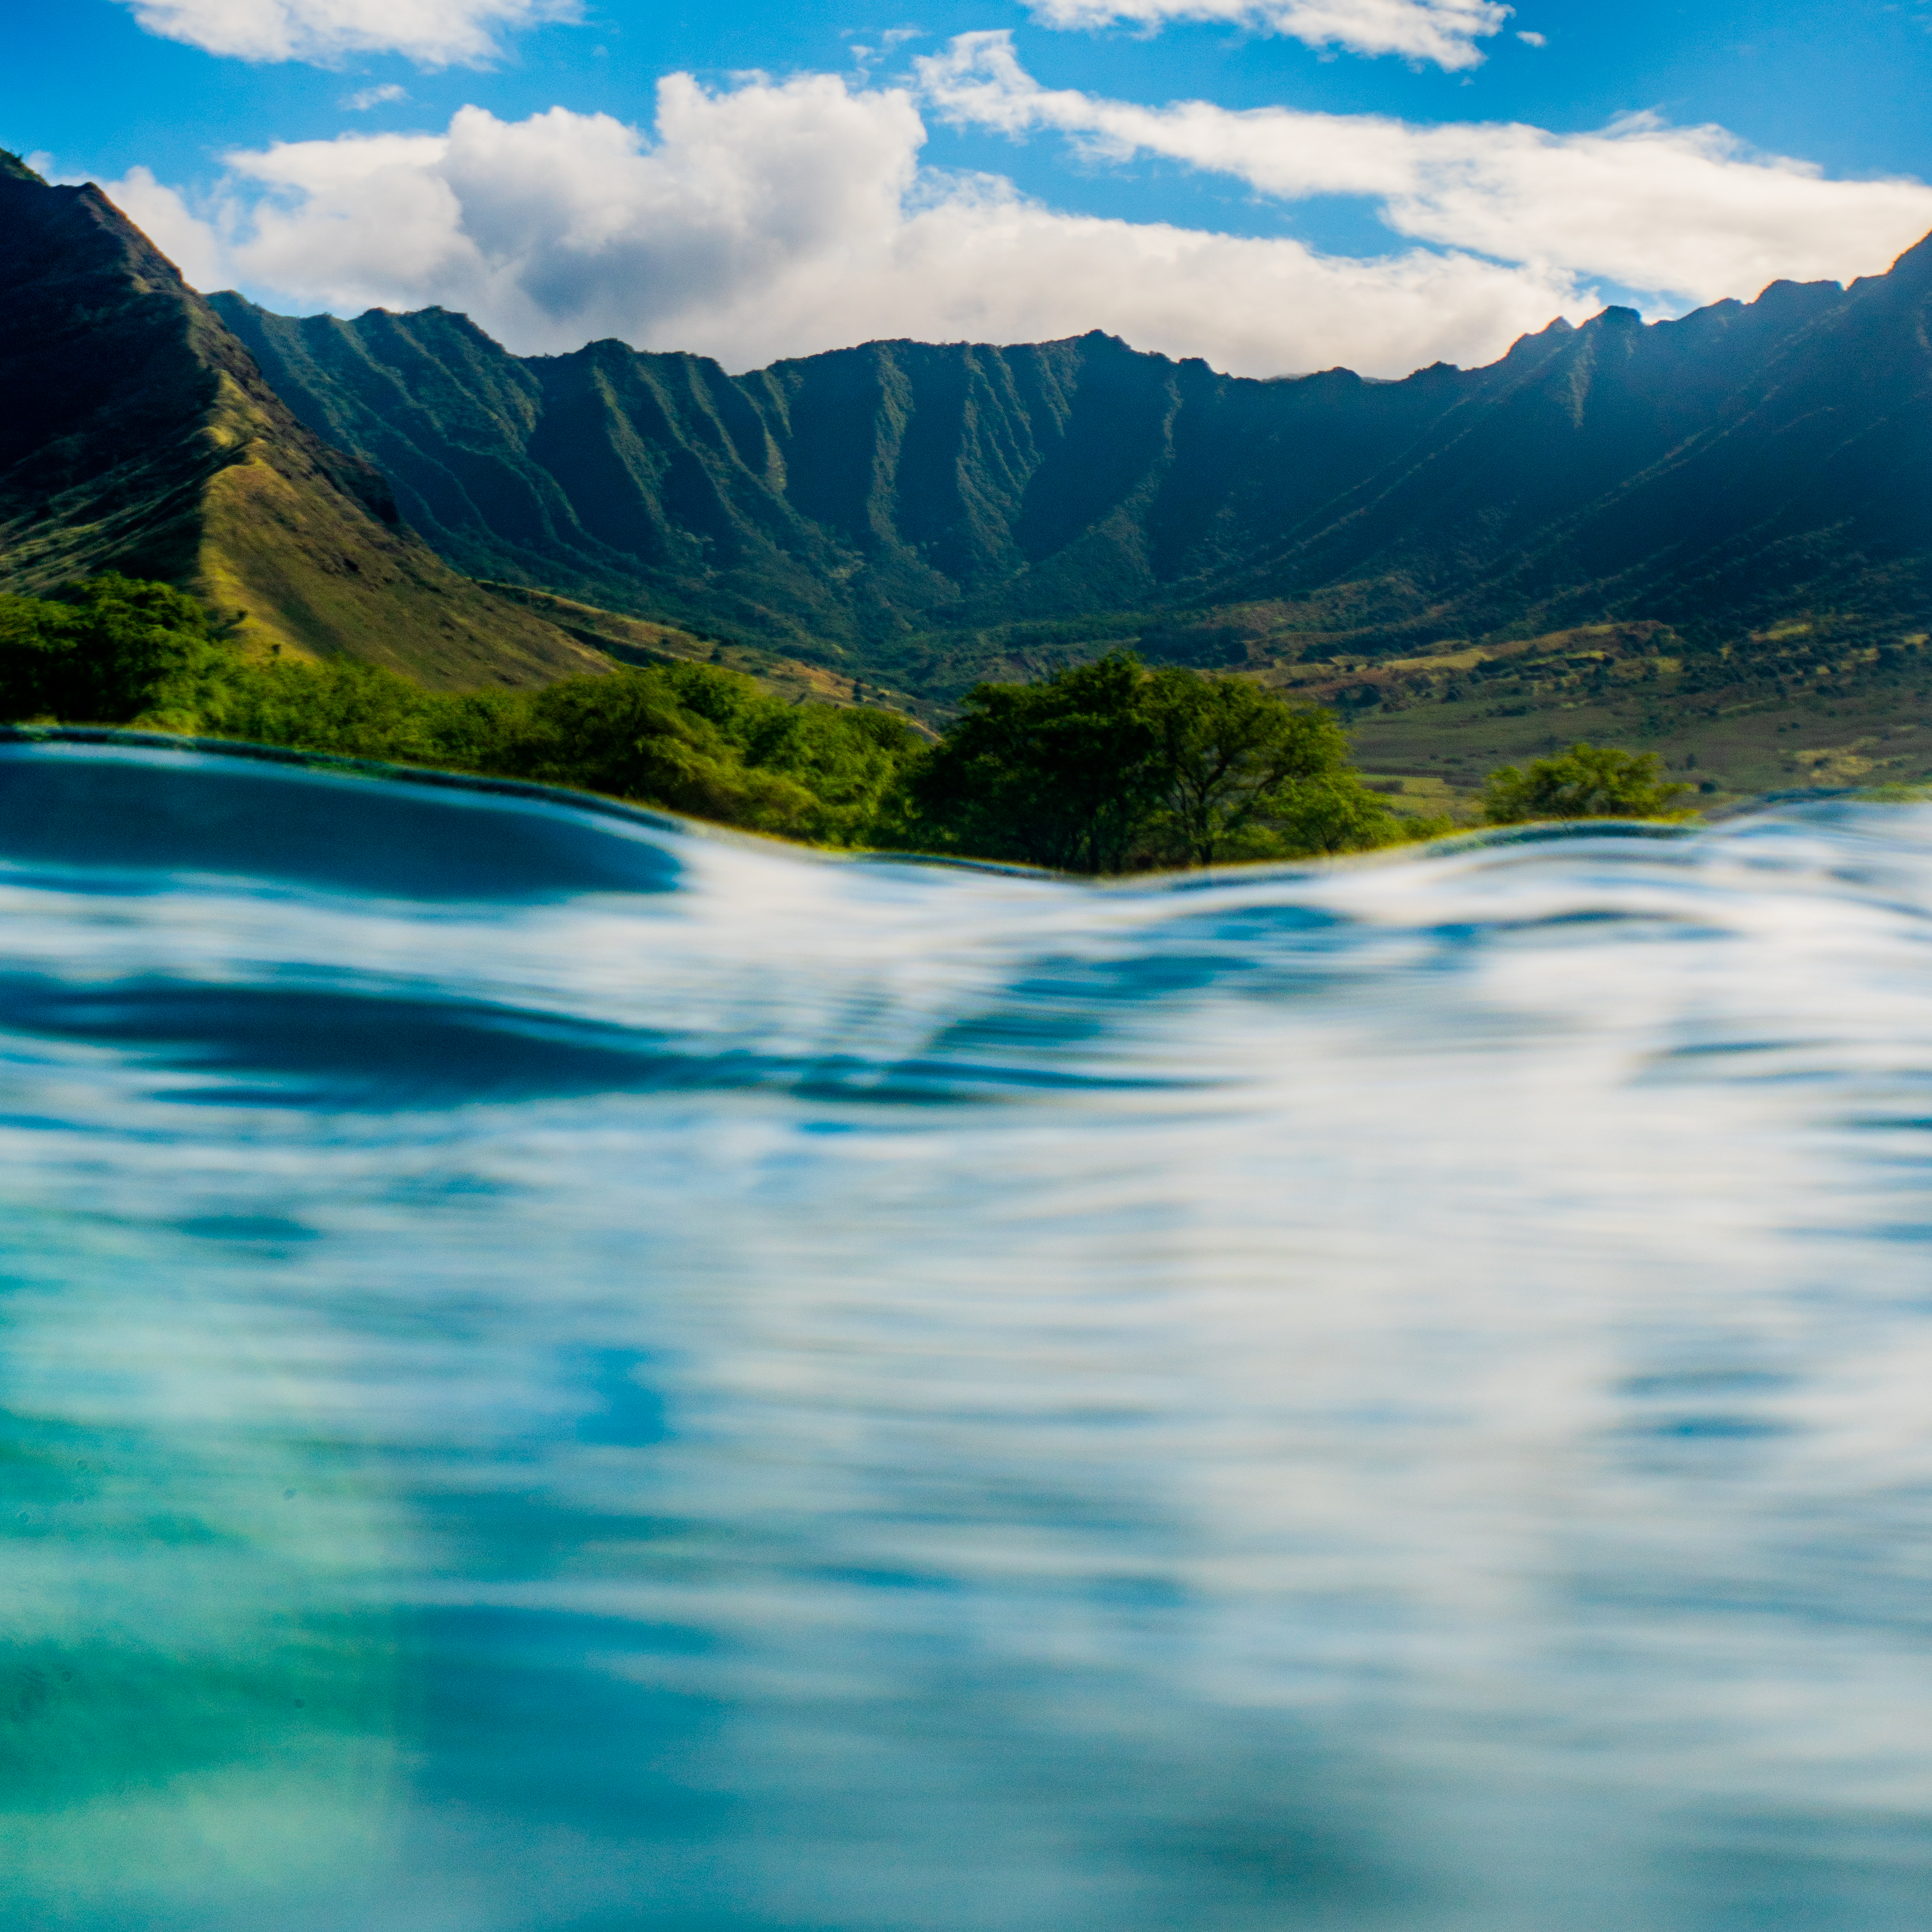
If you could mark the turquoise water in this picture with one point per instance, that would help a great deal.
(559, 1372)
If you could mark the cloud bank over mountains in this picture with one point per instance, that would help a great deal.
(783, 217)
(776, 219)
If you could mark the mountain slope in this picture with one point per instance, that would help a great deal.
(896, 505)
(1715, 473)
(851, 500)
(139, 435)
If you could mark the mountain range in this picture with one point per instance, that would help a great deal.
(1661, 528)
(896, 502)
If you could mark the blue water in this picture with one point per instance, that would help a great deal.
(561, 1373)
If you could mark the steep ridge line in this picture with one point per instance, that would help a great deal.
(140, 435)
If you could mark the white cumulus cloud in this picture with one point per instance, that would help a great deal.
(432, 33)
(1678, 214)
(776, 219)
(772, 219)
(1444, 31)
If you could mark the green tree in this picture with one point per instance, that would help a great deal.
(1244, 775)
(1063, 772)
(355, 710)
(1585, 782)
(1109, 765)
(627, 735)
(849, 761)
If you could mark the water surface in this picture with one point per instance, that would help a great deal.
(561, 1373)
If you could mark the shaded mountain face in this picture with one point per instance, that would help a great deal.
(139, 435)
(891, 504)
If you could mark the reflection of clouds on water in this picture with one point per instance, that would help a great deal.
(861, 1396)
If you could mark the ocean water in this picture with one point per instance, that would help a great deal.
(559, 1372)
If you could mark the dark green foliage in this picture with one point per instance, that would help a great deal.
(630, 736)
(354, 710)
(107, 651)
(1060, 773)
(1586, 781)
(1237, 765)
(694, 738)
(1104, 767)
(1109, 767)
(849, 762)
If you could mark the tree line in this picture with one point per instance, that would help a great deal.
(1107, 767)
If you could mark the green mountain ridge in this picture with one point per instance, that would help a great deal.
(140, 436)
(935, 511)
(1712, 537)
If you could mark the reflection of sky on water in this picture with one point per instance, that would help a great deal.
(668, 1383)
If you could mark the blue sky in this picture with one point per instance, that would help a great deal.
(1369, 182)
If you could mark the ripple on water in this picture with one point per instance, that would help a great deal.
(562, 1372)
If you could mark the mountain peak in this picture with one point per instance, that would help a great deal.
(1532, 348)
(12, 168)
(1916, 264)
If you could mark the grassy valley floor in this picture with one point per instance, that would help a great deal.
(1784, 710)
(1824, 700)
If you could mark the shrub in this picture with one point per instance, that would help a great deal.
(1585, 782)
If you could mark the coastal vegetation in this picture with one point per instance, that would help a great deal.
(1102, 768)
(694, 738)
